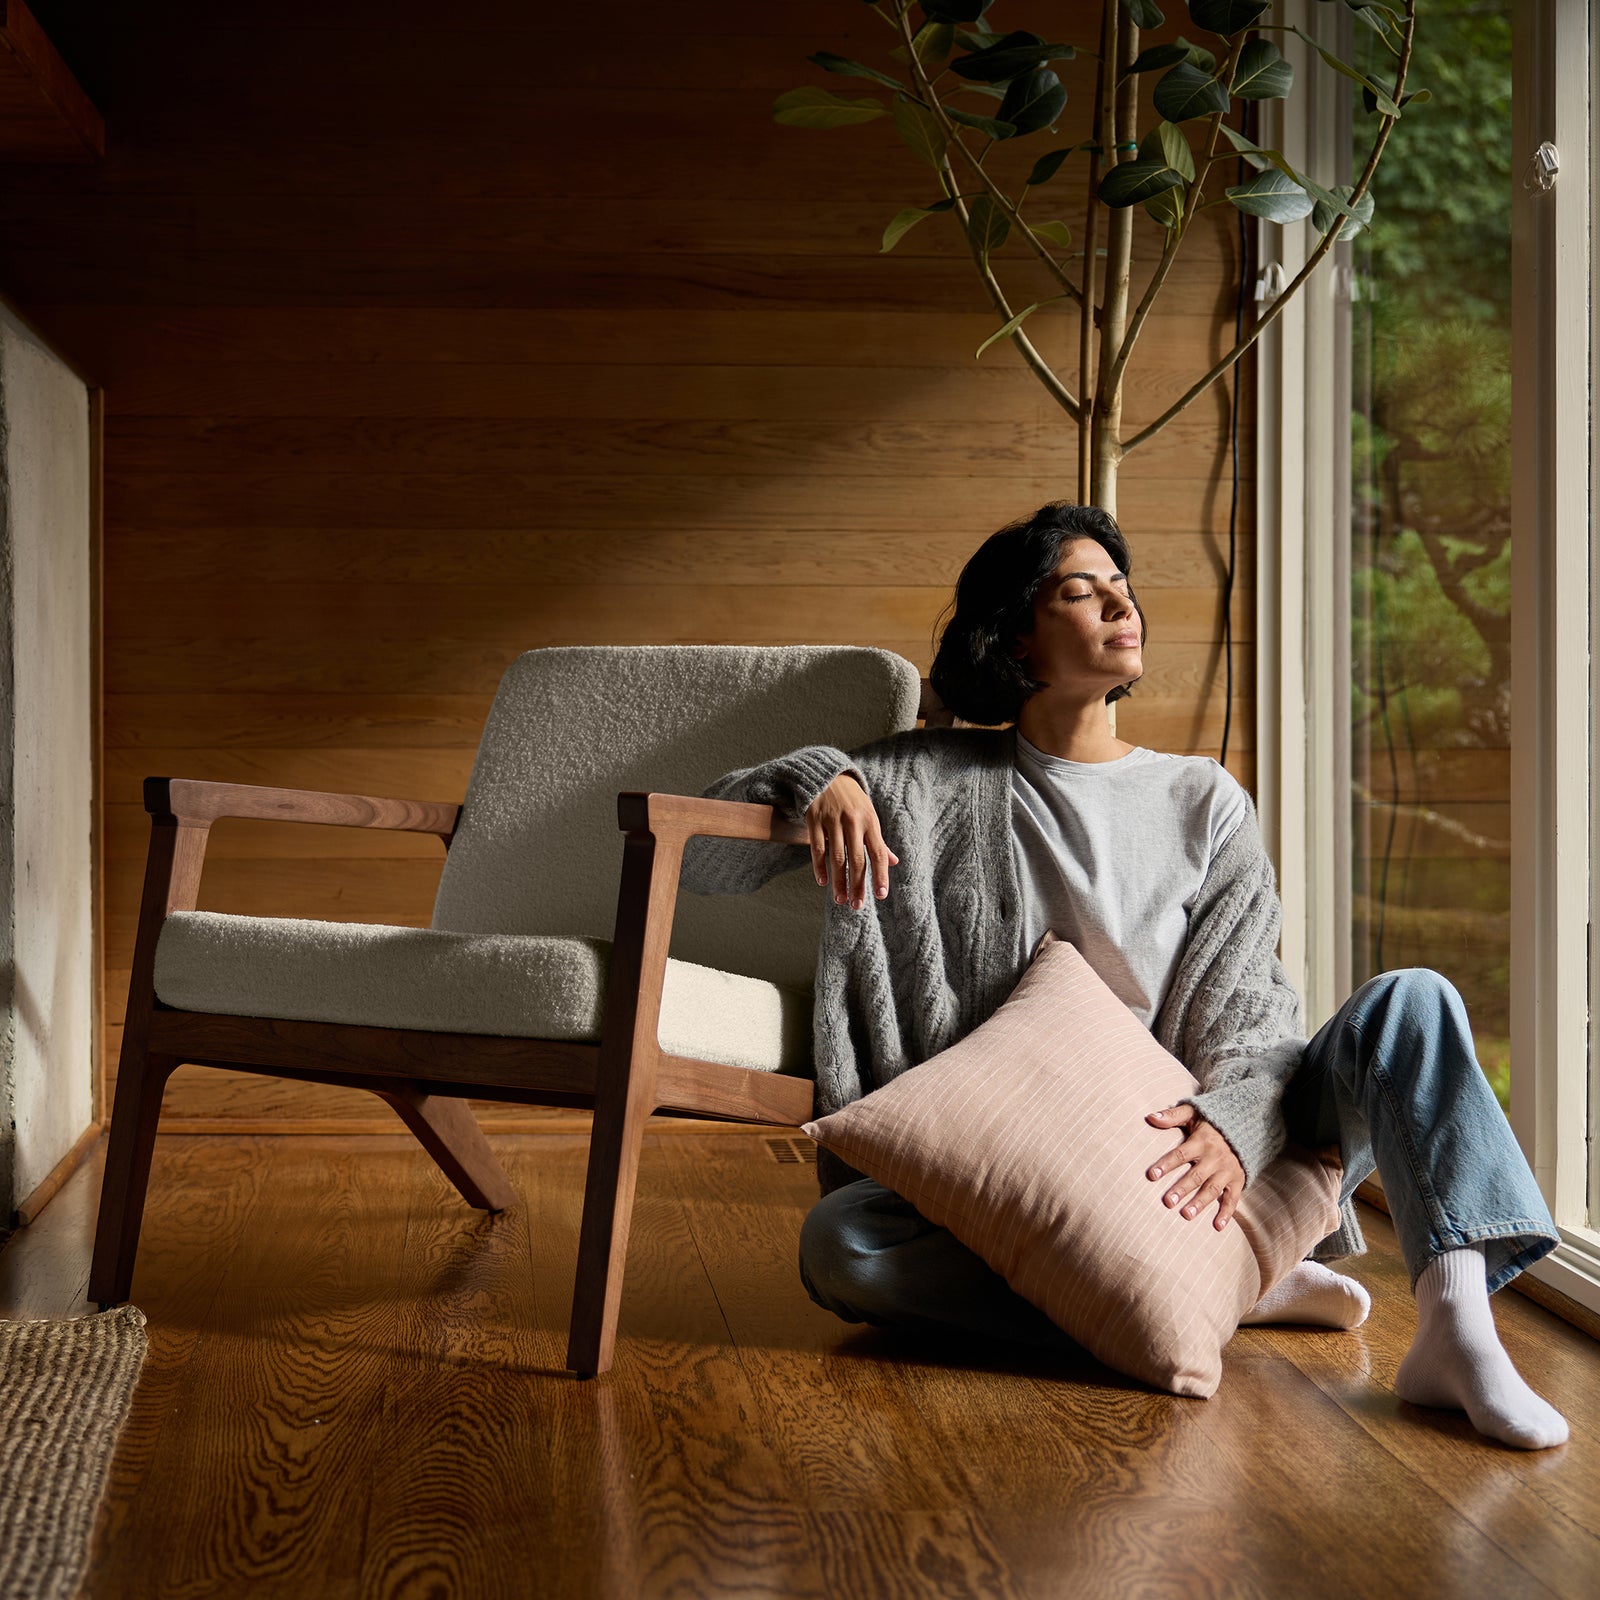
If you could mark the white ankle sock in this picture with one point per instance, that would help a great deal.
(1314, 1294)
(1457, 1360)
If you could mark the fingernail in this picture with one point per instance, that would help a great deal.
(883, 891)
(822, 877)
(1188, 1211)
(1155, 1172)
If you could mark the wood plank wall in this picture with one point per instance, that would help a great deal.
(429, 337)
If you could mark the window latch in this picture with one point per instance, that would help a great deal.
(1271, 281)
(1539, 176)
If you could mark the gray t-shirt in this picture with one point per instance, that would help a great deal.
(1111, 854)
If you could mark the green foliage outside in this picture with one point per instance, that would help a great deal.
(1432, 505)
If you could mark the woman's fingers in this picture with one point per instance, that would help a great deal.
(1177, 1157)
(846, 840)
(882, 855)
(838, 860)
(855, 836)
(1225, 1211)
(1208, 1191)
(819, 846)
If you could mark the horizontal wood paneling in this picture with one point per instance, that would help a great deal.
(421, 350)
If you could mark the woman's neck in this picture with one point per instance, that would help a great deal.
(1075, 733)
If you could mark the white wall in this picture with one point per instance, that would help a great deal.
(49, 1057)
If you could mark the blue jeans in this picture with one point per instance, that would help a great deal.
(1391, 1077)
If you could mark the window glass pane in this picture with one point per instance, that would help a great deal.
(1430, 530)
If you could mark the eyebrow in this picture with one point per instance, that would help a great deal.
(1091, 576)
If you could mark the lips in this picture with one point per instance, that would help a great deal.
(1123, 639)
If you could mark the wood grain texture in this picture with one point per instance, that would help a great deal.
(354, 1388)
(400, 383)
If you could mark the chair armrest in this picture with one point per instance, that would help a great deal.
(193, 800)
(680, 816)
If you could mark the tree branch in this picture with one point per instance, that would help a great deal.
(1192, 204)
(929, 99)
(1104, 138)
(1386, 124)
(1057, 390)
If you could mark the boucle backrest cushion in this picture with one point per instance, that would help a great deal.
(538, 849)
(1027, 1140)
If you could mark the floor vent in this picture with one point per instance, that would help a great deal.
(793, 1152)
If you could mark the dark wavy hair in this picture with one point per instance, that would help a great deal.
(974, 671)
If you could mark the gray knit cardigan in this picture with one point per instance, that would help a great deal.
(906, 977)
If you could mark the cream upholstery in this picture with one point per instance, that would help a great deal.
(527, 901)
(522, 986)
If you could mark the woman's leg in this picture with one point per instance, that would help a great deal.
(867, 1255)
(1394, 1078)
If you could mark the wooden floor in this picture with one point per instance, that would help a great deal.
(355, 1388)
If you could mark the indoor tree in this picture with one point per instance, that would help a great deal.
(947, 49)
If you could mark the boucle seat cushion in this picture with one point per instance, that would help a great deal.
(527, 986)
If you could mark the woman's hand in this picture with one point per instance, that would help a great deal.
(1214, 1170)
(844, 831)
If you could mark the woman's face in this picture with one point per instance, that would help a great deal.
(1085, 629)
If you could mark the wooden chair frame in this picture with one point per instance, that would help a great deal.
(426, 1076)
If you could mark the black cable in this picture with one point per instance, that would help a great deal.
(1233, 446)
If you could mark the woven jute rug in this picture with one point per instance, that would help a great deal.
(65, 1389)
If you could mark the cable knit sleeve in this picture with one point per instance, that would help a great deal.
(790, 782)
(1237, 1017)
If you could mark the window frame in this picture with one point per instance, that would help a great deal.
(1303, 602)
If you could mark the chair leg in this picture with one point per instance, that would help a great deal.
(614, 1143)
(141, 1082)
(446, 1128)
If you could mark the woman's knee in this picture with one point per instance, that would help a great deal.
(1420, 992)
(841, 1234)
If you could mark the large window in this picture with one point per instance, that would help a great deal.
(1429, 705)
(1430, 529)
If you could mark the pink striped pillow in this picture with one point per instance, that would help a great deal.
(1027, 1140)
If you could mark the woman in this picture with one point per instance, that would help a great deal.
(1153, 866)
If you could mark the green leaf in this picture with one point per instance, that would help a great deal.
(1380, 100)
(1417, 97)
(1322, 214)
(976, 39)
(1335, 202)
(1273, 196)
(1014, 53)
(1133, 181)
(1145, 13)
(933, 41)
(1166, 55)
(1187, 92)
(817, 108)
(1261, 72)
(1258, 157)
(987, 225)
(1226, 17)
(1033, 101)
(920, 129)
(1167, 144)
(1058, 233)
(829, 62)
(905, 221)
(995, 91)
(1166, 207)
(1006, 329)
(1048, 165)
(989, 125)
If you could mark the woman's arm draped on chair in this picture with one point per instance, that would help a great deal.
(790, 783)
